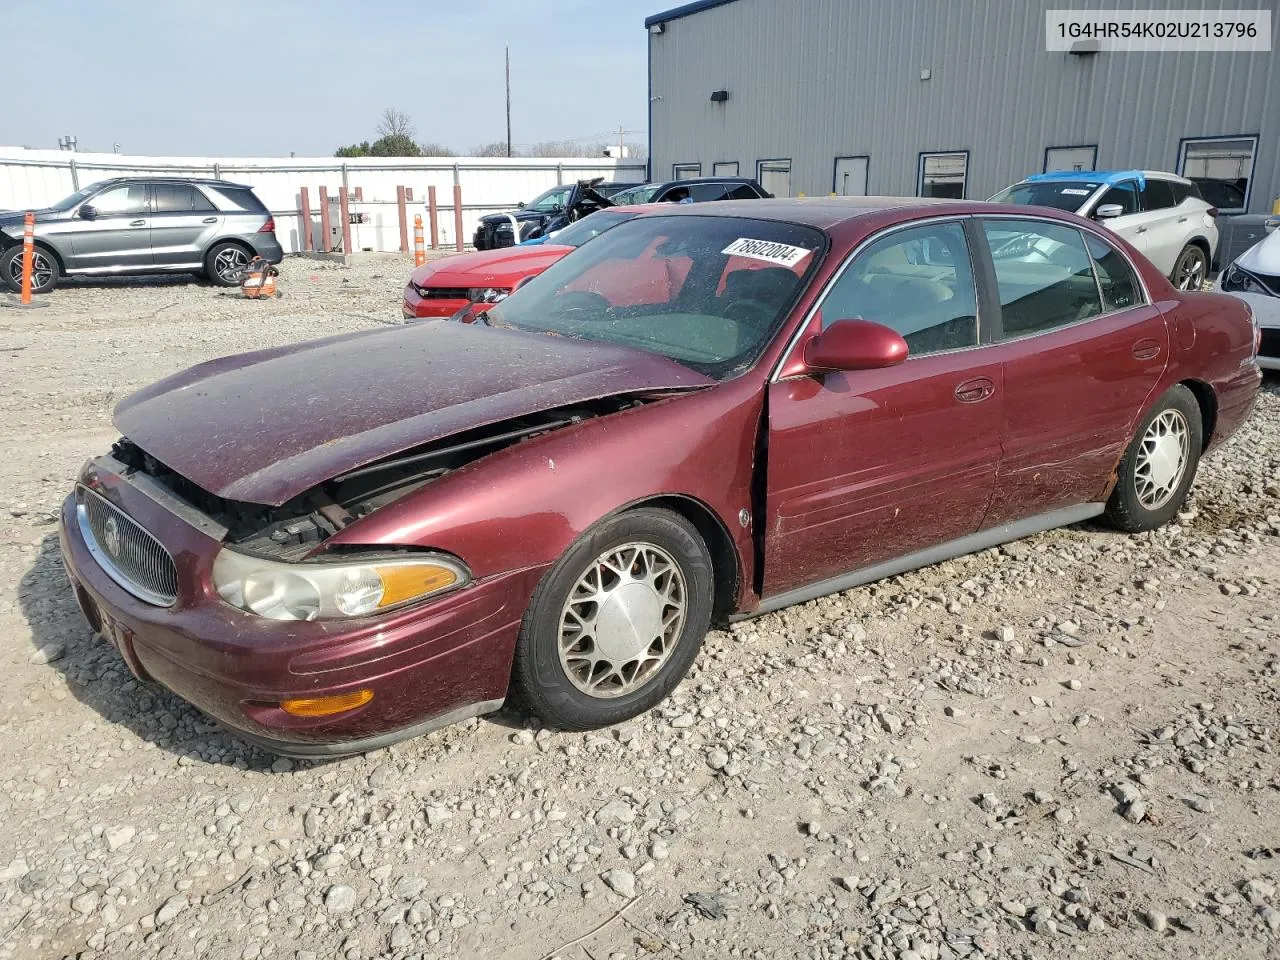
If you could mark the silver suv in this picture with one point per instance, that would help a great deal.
(132, 225)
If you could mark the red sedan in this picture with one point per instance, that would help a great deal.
(337, 544)
(440, 288)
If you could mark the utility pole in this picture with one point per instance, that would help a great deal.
(508, 100)
(622, 147)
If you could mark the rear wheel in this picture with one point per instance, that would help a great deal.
(1191, 268)
(225, 264)
(1160, 464)
(44, 269)
(616, 623)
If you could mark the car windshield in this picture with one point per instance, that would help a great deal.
(641, 194)
(548, 202)
(66, 203)
(575, 235)
(708, 292)
(1060, 194)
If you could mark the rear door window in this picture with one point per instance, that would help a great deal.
(744, 191)
(1044, 275)
(178, 198)
(702, 192)
(1118, 282)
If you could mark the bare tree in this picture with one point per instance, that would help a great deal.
(429, 148)
(395, 123)
(496, 149)
(637, 151)
(565, 148)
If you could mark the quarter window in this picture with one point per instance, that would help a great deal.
(1210, 161)
(918, 281)
(1119, 284)
(1124, 195)
(943, 175)
(121, 201)
(1044, 275)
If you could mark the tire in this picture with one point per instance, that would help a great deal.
(1149, 489)
(225, 262)
(44, 273)
(627, 678)
(1190, 269)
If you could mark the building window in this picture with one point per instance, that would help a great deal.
(943, 175)
(685, 171)
(775, 177)
(725, 168)
(1072, 159)
(1221, 166)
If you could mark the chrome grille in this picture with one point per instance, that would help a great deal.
(128, 554)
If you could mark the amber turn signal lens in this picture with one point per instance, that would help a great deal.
(325, 706)
(407, 583)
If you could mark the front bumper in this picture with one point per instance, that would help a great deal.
(417, 307)
(429, 665)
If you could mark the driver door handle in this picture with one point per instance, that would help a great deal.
(209, 220)
(1141, 230)
(975, 390)
(137, 223)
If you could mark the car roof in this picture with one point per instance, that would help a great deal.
(208, 181)
(1102, 177)
(820, 212)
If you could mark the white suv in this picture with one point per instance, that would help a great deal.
(1161, 214)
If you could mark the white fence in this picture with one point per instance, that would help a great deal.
(30, 179)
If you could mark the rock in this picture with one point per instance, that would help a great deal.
(1156, 920)
(717, 759)
(170, 909)
(615, 811)
(1005, 633)
(117, 837)
(86, 903)
(1199, 803)
(1126, 792)
(339, 899)
(14, 870)
(329, 861)
(1074, 684)
(48, 653)
(659, 850)
(401, 937)
(437, 815)
(849, 883)
(1271, 917)
(621, 882)
(890, 723)
(1136, 812)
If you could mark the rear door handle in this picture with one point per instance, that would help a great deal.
(1146, 350)
(137, 223)
(1141, 230)
(975, 390)
(209, 220)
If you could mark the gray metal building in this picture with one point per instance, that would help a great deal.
(946, 98)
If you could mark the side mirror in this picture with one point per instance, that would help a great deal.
(522, 281)
(520, 205)
(1107, 211)
(855, 345)
(88, 211)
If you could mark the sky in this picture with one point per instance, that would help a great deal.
(274, 77)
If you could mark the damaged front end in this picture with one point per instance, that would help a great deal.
(295, 529)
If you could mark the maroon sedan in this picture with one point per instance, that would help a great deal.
(333, 545)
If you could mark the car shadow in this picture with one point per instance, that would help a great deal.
(149, 281)
(97, 677)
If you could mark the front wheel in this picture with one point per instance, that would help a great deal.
(44, 269)
(1191, 268)
(616, 623)
(1160, 464)
(225, 264)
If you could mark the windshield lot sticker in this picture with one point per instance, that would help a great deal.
(783, 254)
(1074, 192)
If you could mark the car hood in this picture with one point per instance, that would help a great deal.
(1264, 256)
(14, 218)
(486, 267)
(264, 427)
(521, 215)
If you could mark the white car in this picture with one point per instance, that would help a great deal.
(1255, 278)
(1161, 214)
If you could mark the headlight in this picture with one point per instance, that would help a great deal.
(330, 591)
(1241, 281)
(487, 294)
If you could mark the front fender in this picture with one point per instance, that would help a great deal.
(523, 506)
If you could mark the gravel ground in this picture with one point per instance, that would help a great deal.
(1063, 746)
